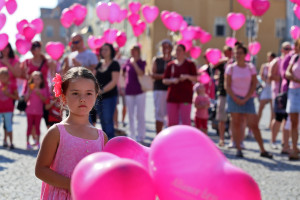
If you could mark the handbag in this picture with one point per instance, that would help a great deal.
(22, 104)
(146, 83)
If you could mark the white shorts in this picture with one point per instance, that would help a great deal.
(160, 104)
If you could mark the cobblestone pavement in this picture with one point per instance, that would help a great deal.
(278, 179)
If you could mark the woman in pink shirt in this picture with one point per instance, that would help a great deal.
(240, 84)
(293, 101)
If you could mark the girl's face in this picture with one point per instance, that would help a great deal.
(180, 53)
(4, 78)
(36, 51)
(135, 52)
(105, 52)
(5, 51)
(80, 96)
(37, 80)
(201, 89)
(239, 54)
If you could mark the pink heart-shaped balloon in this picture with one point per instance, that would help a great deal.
(2, 20)
(230, 41)
(259, 7)
(78, 22)
(295, 32)
(133, 18)
(204, 78)
(102, 11)
(121, 38)
(236, 20)
(295, 1)
(125, 147)
(23, 46)
(29, 31)
(150, 13)
(134, 7)
(38, 24)
(67, 17)
(173, 21)
(110, 35)
(11, 6)
(205, 37)
(254, 48)
(213, 55)
(91, 42)
(55, 49)
(163, 15)
(297, 11)
(79, 11)
(114, 12)
(21, 24)
(3, 41)
(20, 36)
(130, 181)
(248, 57)
(122, 15)
(183, 25)
(198, 32)
(186, 43)
(188, 33)
(195, 52)
(2, 4)
(245, 3)
(139, 28)
(99, 41)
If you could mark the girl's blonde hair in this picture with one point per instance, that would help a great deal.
(42, 85)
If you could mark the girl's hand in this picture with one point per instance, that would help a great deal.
(5, 91)
(238, 101)
(132, 60)
(5, 61)
(175, 80)
(183, 77)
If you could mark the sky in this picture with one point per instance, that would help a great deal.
(26, 9)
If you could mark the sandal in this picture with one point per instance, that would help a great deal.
(266, 155)
(239, 154)
(221, 143)
(293, 156)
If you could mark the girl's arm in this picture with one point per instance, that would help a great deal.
(14, 95)
(15, 70)
(289, 74)
(45, 158)
(40, 95)
(192, 78)
(137, 69)
(229, 90)
(273, 72)
(261, 73)
(252, 88)
(112, 83)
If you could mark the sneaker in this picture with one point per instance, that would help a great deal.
(5, 145)
(266, 155)
(12, 147)
(274, 145)
(239, 154)
(231, 145)
(293, 156)
(29, 147)
(124, 124)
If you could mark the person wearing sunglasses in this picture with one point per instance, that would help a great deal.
(84, 57)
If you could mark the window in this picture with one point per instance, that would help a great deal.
(49, 31)
(62, 32)
(220, 27)
(189, 20)
(251, 28)
(279, 28)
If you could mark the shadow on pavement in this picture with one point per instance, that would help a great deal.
(32, 153)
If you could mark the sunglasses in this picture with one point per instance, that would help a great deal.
(76, 42)
(287, 49)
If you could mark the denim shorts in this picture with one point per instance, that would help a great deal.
(233, 107)
(293, 101)
(7, 120)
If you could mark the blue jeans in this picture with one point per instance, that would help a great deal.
(105, 109)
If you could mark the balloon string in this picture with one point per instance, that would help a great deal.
(249, 28)
(233, 33)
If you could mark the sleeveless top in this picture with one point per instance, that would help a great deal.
(70, 151)
(161, 66)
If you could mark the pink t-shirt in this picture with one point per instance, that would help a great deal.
(295, 71)
(202, 113)
(240, 78)
(12, 78)
(7, 103)
(35, 104)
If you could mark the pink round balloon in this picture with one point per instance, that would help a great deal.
(205, 37)
(150, 13)
(188, 33)
(102, 11)
(180, 158)
(2, 20)
(23, 46)
(78, 22)
(173, 21)
(163, 15)
(38, 24)
(133, 18)
(29, 31)
(198, 32)
(99, 41)
(121, 39)
(113, 178)
(67, 17)
(122, 15)
(295, 32)
(114, 12)
(213, 55)
(183, 25)
(125, 147)
(259, 7)
(21, 24)
(204, 78)
(230, 41)
(297, 11)
(11, 6)
(187, 43)
(134, 7)
(110, 35)
(139, 28)
(248, 57)
(295, 1)
(79, 11)
(91, 42)
(254, 48)
(55, 49)
(2, 4)
(236, 20)
(195, 52)
(3, 40)
(245, 3)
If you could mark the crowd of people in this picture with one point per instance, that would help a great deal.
(178, 88)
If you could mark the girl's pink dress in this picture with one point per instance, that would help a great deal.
(70, 151)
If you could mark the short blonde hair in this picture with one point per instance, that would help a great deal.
(3, 71)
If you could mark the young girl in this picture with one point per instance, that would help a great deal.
(201, 103)
(68, 142)
(35, 97)
(8, 93)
